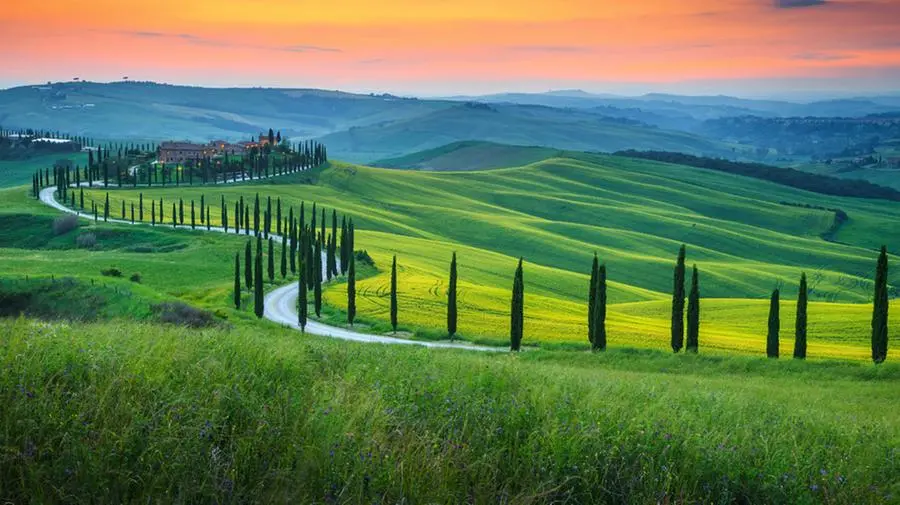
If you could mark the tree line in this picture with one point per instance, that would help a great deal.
(817, 183)
(120, 165)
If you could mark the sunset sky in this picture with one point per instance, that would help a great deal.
(432, 47)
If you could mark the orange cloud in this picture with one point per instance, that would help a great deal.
(337, 44)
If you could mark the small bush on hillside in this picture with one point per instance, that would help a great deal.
(111, 272)
(364, 258)
(64, 224)
(86, 241)
(135, 277)
(183, 314)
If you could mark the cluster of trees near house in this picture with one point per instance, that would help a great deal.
(129, 165)
(787, 176)
(20, 144)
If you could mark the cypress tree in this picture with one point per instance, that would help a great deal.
(351, 290)
(153, 214)
(202, 208)
(181, 211)
(132, 212)
(592, 298)
(268, 222)
(317, 275)
(451, 300)
(106, 208)
(333, 250)
(140, 207)
(174, 216)
(293, 244)
(278, 216)
(880, 310)
(208, 219)
(693, 315)
(678, 303)
(81, 198)
(258, 301)
(162, 219)
(302, 303)
(237, 281)
(271, 263)
(599, 342)
(323, 225)
(123, 209)
(312, 222)
(284, 256)
(800, 325)
(516, 323)
(343, 251)
(256, 215)
(394, 294)
(193, 222)
(248, 266)
(247, 219)
(774, 325)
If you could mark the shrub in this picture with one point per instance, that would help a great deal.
(135, 277)
(183, 314)
(65, 224)
(86, 241)
(112, 272)
(364, 258)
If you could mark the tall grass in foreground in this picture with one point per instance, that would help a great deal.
(128, 413)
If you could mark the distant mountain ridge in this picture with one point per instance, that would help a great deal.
(356, 127)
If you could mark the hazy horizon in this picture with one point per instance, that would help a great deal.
(620, 90)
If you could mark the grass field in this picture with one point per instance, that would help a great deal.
(264, 415)
(125, 409)
(557, 212)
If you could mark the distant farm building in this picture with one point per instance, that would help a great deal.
(179, 152)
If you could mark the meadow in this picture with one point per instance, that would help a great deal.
(746, 236)
(104, 403)
(127, 412)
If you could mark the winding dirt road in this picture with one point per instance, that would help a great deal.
(281, 303)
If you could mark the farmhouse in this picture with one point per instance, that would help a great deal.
(179, 152)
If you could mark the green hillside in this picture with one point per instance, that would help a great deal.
(510, 124)
(747, 237)
(470, 155)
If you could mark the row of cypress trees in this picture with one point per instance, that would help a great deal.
(303, 156)
(597, 303)
(312, 253)
(879, 315)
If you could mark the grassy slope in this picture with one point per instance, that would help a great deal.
(556, 212)
(470, 155)
(14, 173)
(274, 417)
(508, 124)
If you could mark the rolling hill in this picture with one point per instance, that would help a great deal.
(470, 155)
(747, 237)
(526, 125)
